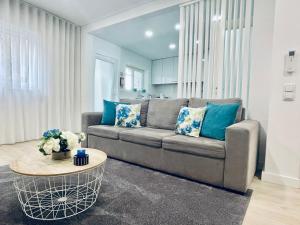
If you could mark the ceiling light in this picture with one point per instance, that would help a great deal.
(177, 26)
(148, 33)
(172, 46)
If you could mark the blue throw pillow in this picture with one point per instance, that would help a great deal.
(217, 119)
(109, 112)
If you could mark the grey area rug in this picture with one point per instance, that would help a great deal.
(133, 195)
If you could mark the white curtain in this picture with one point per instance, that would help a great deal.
(39, 72)
(214, 49)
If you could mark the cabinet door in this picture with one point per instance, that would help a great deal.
(167, 70)
(174, 78)
(157, 72)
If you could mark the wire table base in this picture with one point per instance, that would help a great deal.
(58, 197)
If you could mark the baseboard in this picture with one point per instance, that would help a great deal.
(280, 179)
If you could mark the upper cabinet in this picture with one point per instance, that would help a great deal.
(168, 70)
(157, 70)
(164, 71)
(175, 69)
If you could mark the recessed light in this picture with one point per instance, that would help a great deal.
(148, 33)
(172, 46)
(177, 26)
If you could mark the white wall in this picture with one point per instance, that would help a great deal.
(259, 93)
(283, 139)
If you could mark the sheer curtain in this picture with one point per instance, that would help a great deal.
(39, 72)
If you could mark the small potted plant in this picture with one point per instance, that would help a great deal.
(59, 143)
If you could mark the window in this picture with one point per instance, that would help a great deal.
(134, 79)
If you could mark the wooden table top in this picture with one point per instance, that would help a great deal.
(40, 165)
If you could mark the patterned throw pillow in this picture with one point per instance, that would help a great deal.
(128, 115)
(189, 121)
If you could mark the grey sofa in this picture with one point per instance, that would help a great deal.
(230, 164)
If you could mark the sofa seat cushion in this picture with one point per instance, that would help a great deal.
(106, 131)
(146, 136)
(200, 146)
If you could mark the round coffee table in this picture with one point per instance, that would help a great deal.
(56, 189)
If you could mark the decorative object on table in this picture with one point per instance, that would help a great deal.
(128, 115)
(189, 121)
(81, 158)
(59, 143)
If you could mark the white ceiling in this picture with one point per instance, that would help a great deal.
(84, 12)
(130, 34)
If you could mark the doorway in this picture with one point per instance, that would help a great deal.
(104, 81)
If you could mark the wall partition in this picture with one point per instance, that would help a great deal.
(215, 49)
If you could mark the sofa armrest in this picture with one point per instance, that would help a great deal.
(89, 119)
(241, 151)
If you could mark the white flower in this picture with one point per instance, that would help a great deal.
(41, 144)
(82, 136)
(71, 138)
(56, 147)
(51, 145)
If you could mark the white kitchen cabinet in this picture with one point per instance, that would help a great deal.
(164, 71)
(168, 70)
(157, 70)
(175, 70)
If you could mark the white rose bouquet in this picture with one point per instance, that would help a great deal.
(59, 141)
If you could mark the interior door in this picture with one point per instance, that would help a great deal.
(104, 82)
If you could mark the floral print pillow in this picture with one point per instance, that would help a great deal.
(128, 115)
(189, 121)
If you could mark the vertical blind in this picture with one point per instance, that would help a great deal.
(214, 48)
(39, 72)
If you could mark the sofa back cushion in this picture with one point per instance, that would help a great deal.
(198, 102)
(144, 108)
(163, 113)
